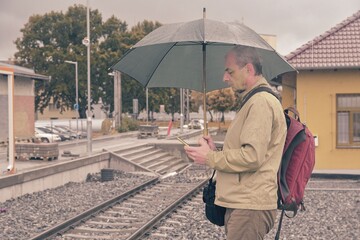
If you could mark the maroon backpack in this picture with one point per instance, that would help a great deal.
(296, 166)
(297, 162)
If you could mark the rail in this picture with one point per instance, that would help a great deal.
(126, 226)
(63, 227)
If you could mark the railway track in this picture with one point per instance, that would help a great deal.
(174, 224)
(129, 215)
(168, 208)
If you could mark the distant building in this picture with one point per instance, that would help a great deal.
(53, 112)
(326, 92)
(24, 100)
(270, 39)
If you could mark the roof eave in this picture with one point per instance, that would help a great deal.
(33, 76)
(329, 68)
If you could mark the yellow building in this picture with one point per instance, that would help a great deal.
(326, 92)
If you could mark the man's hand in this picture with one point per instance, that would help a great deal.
(210, 142)
(198, 154)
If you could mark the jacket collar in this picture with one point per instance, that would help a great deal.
(261, 82)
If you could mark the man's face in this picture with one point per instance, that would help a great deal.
(234, 75)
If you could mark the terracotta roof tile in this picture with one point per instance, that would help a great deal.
(337, 48)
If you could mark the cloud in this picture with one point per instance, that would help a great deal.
(293, 22)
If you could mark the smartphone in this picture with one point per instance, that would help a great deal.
(182, 141)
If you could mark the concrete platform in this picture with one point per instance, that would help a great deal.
(78, 150)
(337, 173)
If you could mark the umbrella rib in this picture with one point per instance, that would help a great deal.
(126, 53)
(152, 74)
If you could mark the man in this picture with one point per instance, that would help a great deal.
(247, 166)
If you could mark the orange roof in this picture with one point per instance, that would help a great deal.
(337, 48)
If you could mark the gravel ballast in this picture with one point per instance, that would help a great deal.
(31, 214)
(332, 209)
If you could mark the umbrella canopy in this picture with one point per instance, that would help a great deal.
(191, 55)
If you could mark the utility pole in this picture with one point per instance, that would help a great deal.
(187, 105)
(181, 110)
(117, 99)
(89, 115)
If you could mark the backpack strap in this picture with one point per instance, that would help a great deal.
(256, 90)
(212, 176)
(277, 236)
(294, 111)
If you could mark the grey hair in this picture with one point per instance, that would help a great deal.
(244, 55)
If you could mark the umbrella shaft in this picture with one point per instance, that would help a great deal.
(204, 88)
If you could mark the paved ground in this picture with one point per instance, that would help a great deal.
(80, 147)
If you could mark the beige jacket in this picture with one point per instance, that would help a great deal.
(247, 166)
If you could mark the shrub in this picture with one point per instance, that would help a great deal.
(128, 124)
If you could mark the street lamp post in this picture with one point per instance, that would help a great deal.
(77, 96)
(89, 117)
(181, 110)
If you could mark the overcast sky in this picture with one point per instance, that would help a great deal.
(294, 22)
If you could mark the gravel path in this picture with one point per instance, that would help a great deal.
(330, 214)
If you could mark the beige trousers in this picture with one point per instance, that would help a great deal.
(244, 224)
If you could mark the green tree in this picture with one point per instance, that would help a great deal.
(196, 100)
(141, 29)
(50, 39)
(131, 89)
(220, 101)
(113, 45)
(47, 42)
(157, 97)
(172, 99)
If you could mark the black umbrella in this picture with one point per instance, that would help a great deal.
(191, 55)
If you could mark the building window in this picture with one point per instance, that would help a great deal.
(348, 120)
